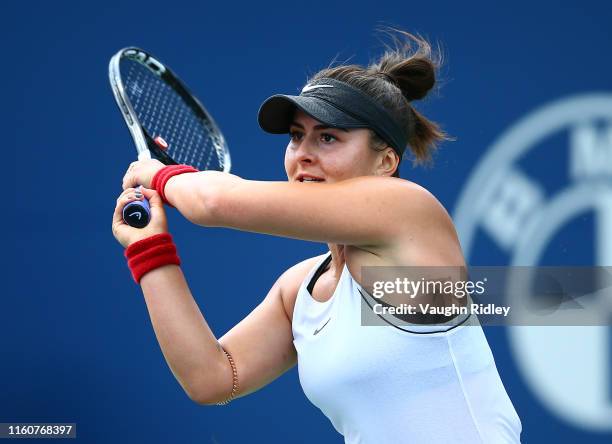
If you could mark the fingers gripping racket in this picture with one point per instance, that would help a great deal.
(166, 121)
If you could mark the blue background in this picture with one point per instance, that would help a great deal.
(76, 343)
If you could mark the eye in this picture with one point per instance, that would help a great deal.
(295, 135)
(328, 138)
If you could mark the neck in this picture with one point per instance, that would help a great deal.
(338, 260)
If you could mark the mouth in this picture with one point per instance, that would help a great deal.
(309, 178)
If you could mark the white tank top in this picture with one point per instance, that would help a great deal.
(398, 384)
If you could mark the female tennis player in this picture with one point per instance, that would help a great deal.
(349, 128)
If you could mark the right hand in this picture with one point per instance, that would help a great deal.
(127, 234)
(141, 172)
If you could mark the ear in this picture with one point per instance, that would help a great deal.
(388, 162)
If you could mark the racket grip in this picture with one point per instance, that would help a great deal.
(137, 213)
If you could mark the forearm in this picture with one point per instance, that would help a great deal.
(189, 346)
(196, 196)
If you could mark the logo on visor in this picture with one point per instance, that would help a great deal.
(311, 87)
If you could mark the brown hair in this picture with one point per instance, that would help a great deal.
(404, 73)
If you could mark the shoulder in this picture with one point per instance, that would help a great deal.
(424, 233)
(414, 209)
(416, 197)
(430, 238)
(290, 281)
(403, 196)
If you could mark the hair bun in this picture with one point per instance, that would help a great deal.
(415, 76)
(411, 66)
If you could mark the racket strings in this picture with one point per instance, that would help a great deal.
(163, 112)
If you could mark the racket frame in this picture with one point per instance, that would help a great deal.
(145, 145)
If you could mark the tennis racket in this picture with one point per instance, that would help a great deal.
(165, 120)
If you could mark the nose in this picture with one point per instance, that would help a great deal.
(305, 152)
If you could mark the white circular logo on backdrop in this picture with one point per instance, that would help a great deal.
(568, 368)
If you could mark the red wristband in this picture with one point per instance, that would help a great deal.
(151, 253)
(158, 183)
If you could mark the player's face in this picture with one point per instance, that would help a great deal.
(328, 154)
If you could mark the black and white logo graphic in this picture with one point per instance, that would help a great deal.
(549, 171)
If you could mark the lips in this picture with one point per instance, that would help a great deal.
(308, 178)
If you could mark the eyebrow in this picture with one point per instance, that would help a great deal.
(319, 127)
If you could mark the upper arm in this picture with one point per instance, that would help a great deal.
(262, 343)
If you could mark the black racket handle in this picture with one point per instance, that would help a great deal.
(137, 213)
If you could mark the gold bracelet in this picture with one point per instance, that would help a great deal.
(234, 379)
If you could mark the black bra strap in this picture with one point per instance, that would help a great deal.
(318, 273)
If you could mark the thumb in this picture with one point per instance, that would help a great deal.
(152, 196)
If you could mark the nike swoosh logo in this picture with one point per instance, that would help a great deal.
(311, 87)
(322, 327)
